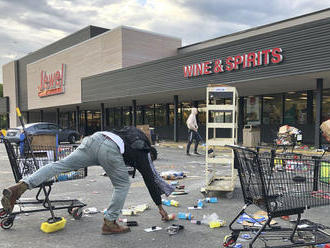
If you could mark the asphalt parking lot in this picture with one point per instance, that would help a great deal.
(95, 190)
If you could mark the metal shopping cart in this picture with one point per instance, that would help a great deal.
(281, 185)
(25, 159)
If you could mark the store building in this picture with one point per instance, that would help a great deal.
(98, 79)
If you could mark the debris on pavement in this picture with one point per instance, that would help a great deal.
(174, 229)
(153, 229)
(91, 210)
(172, 175)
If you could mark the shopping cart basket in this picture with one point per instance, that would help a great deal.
(24, 161)
(281, 185)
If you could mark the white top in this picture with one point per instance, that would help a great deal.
(191, 121)
(116, 139)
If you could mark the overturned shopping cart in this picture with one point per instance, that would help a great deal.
(281, 185)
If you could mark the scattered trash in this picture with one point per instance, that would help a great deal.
(180, 187)
(246, 236)
(91, 210)
(95, 192)
(213, 221)
(194, 207)
(174, 183)
(172, 175)
(200, 203)
(285, 217)
(211, 199)
(217, 223)
(153, 229)
(128, 212)
(174, 229)
(185, 216)
(171, 217)
(104, 174)
(170, 203)
(128, 223)
(197, 222)
(179, 192)
(135, 210)
(238, 245)
(180, 147)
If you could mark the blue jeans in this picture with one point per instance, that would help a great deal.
(94, 150)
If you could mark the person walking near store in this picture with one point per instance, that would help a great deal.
(113, 151)
(193, 134)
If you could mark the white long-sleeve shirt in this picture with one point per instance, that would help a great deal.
(191, 121)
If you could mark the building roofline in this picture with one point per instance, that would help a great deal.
(258, 28)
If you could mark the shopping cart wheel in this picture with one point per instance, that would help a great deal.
(230, 240)
(7, 222)
(77, 213)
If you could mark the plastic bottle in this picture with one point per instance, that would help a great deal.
(166, 202)
(185, 216)
(174, 203)
(171, 217)
(170, 203)
(211, 199)
(200, 203)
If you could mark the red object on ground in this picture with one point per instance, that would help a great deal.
(286, 218)
(327, 246)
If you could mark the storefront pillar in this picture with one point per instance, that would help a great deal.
(41, 115)
(134, 113)
(102, 116)
(122, 116)
(143, 114)
(68, 120)
(240, 119)
(175, 126)
(107, 114)
(318, 117)
(310, 107)
(283, 108)
(154, 114)
(86, 123)
(167, 113)
(77, 119)
(130, 116)
(57, 116)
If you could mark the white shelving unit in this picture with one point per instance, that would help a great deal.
(221, 130)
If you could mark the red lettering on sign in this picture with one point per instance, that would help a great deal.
(238, 61)
(218, 67)
(230, 63)
(207, 67)
(277, 56)
(188, 70)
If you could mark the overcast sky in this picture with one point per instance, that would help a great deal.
(27, 25)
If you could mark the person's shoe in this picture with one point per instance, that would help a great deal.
(196, 153)
(12, 194)
(112, 227)
(188, 154)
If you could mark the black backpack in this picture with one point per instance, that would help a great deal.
(135, 141)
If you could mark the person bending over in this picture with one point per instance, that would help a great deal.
(111, 150)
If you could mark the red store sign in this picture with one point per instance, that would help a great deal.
(52, 83)
(232, 63)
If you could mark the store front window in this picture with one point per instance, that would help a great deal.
(326, 105)
(272, 109)
(295, 108)
(252, 110)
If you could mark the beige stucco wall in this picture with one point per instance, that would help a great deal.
(140, 47)
(97, 55)
(10, 90)
(115, 49)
